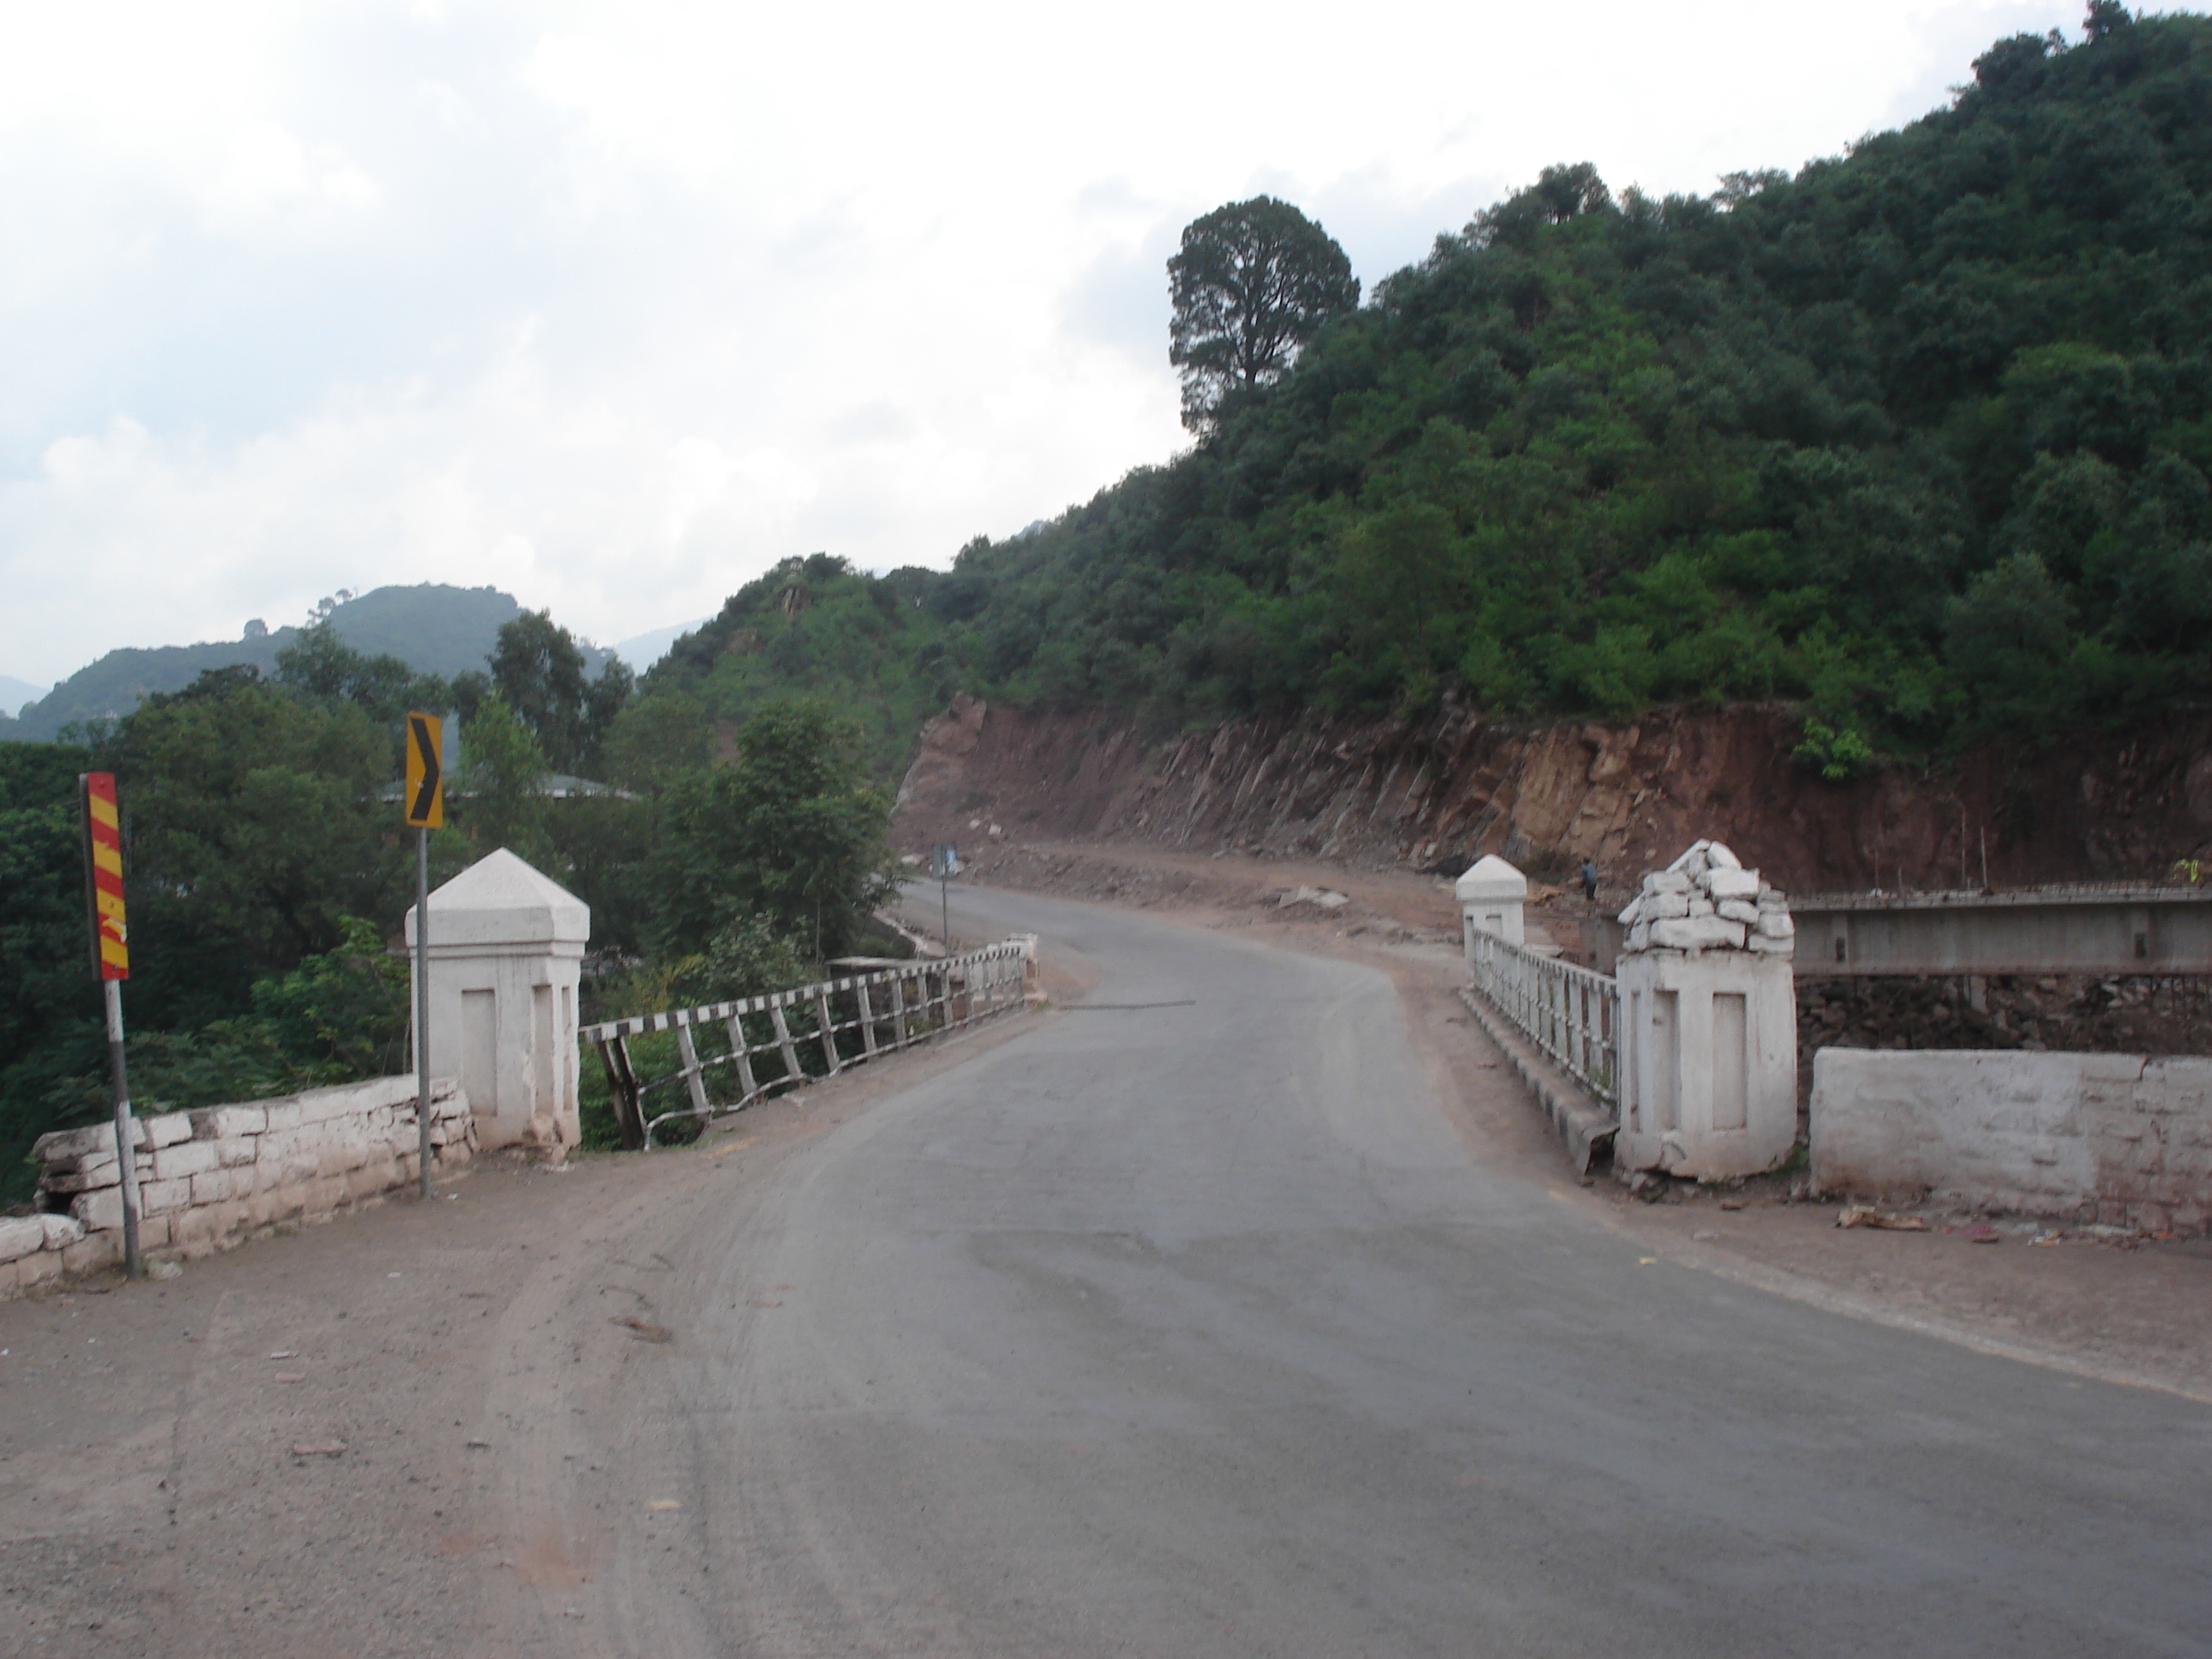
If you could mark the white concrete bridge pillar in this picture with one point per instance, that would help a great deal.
(507, 948)
(1709, 1022)
(1491, 895)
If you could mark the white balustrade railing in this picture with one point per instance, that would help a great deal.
(1571, 1013)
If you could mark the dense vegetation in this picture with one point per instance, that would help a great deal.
(1919, 436)
(874, 645)
(266, 873)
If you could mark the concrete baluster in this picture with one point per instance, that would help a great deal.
(695, 1084)
(784, 1044)
(744, 1058)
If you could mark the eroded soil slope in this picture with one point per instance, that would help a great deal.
(1437, 793)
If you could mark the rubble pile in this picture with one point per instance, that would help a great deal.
(1706, 900)
(2076, 1014)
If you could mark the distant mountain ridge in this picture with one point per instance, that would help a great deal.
(14, 693)
(642, 651)
(434, 628)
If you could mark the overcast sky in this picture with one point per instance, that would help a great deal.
(614, 306)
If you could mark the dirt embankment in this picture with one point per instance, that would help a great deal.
(1438, 792)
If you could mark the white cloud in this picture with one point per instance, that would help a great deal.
(616, 309)
(454, 112)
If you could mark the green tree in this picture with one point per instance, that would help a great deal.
(1567, 191)
(1597, 451)
(49, 1001)
(1250, 285)
(662, 735)
(344, 1011)
(538, 669)
(339, 1016)
(746, 959)
(502, 784)
(254, 821)
(320, 665)
(874, 647)
(2007, 637)
(790, 831)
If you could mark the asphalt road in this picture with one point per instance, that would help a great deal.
(1186, 1323)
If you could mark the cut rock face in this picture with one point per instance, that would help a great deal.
(1706, 900)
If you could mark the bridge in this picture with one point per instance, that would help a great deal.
(2084, 929)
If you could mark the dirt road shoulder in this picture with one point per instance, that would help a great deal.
(328, 1441)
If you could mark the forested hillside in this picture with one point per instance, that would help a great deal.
(431, 627)
(266, 874)
(1913, 444)
(1919, 436)
(815, 627)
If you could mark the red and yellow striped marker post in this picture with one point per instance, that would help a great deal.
(111, 960)
(103, 830)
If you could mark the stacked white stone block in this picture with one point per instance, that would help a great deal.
(210, 1178)
(1706, 900)
(1708, 1016)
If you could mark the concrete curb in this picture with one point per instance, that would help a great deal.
(1580, 1122)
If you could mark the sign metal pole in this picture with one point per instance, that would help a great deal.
(423, 1005)
(127, 1152)
(425, 804)
(944, 864)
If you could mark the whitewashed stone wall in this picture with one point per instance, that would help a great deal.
(210, 1178)
(2115, 1139)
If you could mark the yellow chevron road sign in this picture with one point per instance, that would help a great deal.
(426, 772)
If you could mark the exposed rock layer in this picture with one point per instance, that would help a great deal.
(1439, 792)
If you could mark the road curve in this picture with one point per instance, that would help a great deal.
(1184, 1323)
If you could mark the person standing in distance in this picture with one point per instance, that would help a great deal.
(1590, 879)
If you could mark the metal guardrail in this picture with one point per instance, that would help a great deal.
(1570, 1013)
(768, 1039)
(1967, 898)
(2104, 929)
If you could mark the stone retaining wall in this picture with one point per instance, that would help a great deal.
(2117, 1139)
(213, 1177)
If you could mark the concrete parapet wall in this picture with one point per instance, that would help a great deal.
(2117, 1139)
(212, 1177)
